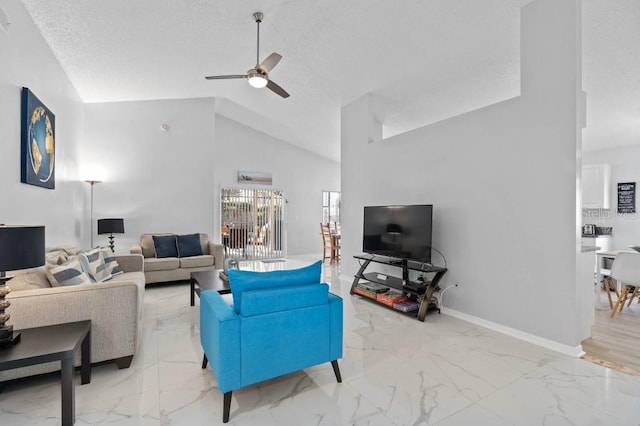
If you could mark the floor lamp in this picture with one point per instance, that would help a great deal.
(92, 182)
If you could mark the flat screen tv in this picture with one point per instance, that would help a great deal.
(402, 232)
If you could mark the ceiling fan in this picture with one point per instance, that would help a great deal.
(258, 76)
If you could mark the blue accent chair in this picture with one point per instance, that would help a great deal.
(280, 322)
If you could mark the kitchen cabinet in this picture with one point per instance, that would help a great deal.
(602, 241)
(596, 186)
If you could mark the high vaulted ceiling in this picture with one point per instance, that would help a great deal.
(425, 60)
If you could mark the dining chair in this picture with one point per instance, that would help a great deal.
(335, 242)
(325, 232)
(626, 269)
(609, 284)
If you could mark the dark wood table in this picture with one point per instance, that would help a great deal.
(54, 343)
(208, 280)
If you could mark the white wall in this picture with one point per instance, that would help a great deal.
(157, 181)
(300, 174)
(27, 61)
(624, 163)
(502, 180)
(169, 181)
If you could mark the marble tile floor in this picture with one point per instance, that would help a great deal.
(396, 371)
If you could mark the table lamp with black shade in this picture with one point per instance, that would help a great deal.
(21, 247)
(111, 226)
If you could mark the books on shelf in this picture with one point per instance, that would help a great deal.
(364, 292)
(406, 306)
(391, 297)
(374, 287)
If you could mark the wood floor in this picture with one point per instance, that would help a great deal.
(615, 340)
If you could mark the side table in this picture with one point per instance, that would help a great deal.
(54, 343)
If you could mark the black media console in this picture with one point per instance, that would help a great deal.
(417, 291)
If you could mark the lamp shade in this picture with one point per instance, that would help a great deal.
(21, 247)
(110, 226)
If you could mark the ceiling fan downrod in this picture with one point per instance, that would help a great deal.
(258, 18)
(258, 76)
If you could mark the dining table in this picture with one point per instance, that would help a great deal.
(335, 246)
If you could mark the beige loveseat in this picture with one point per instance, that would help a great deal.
(114, 308)
(165, 269)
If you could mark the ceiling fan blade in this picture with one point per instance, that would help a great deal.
(277, 89)
(270, 62)
(225, 77)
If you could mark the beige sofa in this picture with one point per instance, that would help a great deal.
(165, 269)
(114, 308)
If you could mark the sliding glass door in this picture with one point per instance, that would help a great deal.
(252, 223)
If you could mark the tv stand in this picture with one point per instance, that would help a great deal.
(419, 291)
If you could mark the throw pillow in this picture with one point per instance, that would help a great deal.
(189, 245)
(70, 273)
(93, 264)
(111, 262)
(56, 257)
(29, 279)
(241, 281)
(165, 246)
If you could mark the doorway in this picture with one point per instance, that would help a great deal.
(252, 223)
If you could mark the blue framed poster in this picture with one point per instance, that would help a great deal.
(38, 145)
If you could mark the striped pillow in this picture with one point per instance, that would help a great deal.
(68, 274)
(111, 262)
(92, 262)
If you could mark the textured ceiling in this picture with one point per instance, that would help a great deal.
(424, 60)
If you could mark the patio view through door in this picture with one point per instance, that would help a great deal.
(252, 223)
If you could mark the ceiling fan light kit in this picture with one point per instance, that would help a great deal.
(256, 79)
(258, 76)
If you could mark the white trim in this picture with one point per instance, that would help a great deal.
(575, 352)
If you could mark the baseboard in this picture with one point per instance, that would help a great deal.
(575, 352)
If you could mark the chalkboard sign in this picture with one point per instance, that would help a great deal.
(627, 197)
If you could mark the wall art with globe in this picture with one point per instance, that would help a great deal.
(37, 152)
